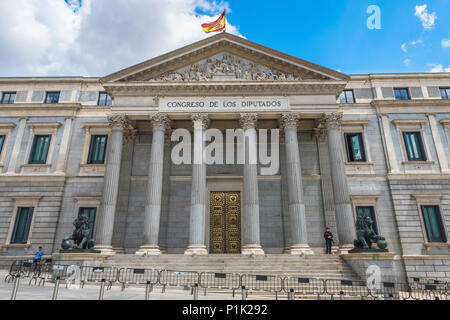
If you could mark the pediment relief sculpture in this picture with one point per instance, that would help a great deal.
(226, 67)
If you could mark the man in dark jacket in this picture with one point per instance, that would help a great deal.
(328, 240)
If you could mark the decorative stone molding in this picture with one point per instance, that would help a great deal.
(332, 120)
(248, 120)
(160, 121)
(119, 121)
(225, 67)
(320, 133)
(203, 118)
(289, 120)
(129, 135)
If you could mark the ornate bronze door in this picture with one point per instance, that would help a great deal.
(225, 222)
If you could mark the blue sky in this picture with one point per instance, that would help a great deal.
(334, 34)
(99, 37)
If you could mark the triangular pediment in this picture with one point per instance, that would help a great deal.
(225, 57)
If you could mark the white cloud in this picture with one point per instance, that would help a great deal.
(50, 37)
(445, 43)
(428, 20)
(438, 68)
(407, 62)
(411, 44)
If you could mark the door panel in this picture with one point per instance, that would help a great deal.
(225, 226)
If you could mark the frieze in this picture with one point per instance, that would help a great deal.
(225, 67)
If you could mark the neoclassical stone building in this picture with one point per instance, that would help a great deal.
(376, 144)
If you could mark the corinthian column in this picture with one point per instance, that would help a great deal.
(344, 215)
(105, 223)
(154, 187)
(198, 190)
(297, 218)
(250, 198)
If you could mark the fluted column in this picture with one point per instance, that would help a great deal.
(64, 147)
(250, 197)
(344, 215)
(297, 217)
(198, 189)
(13, 161)
(152, 215)
(105, 223)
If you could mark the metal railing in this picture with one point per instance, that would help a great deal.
(346, 288)
(136, 276)
(215, 280)
(40, 273)
(304, 286)
(262, 283)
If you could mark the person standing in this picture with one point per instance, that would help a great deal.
(38, 255)
(328, 240)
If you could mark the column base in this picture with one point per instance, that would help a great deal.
(119, 250)
(148, 250)
(252, 249)
(194, 250)
(105, 250)
(301, 249)
(345, 248)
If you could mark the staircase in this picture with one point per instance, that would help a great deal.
(315, 266)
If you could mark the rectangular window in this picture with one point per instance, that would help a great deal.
(355, 147)
(445, 93)
(97, 149)
(39, 150)
(22, 225)
(414, 146)
(8, 98)
(433, 224)
(52, 97)
(2, 141)
(401, 94)
(104, 99)
(347, 96)
(370, 212)
(90, 213)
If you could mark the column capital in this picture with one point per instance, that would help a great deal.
(248, 120)
(289, 120)
(332, 120)
(129, 135)
(201, 118)
(160, 121)
(119, 121)
(320, 133)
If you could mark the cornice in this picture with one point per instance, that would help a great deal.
(40, 110)
(410, 103)
(216, 88)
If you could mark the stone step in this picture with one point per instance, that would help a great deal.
(316, 266)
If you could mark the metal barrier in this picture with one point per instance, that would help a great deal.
(14, 270)
(41, 273)
(137, 276)
(99, 274)
(305, 286)
(346, 288)
(424, 291)
(178, 278)
(230, 281)
(417, 289)
(391, 291)
(262, 283)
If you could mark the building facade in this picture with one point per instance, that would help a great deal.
(338, 146)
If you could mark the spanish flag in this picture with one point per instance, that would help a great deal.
(215, 26)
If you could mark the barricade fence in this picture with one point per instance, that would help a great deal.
(70, 272)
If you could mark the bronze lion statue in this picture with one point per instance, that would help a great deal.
(80, 235)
